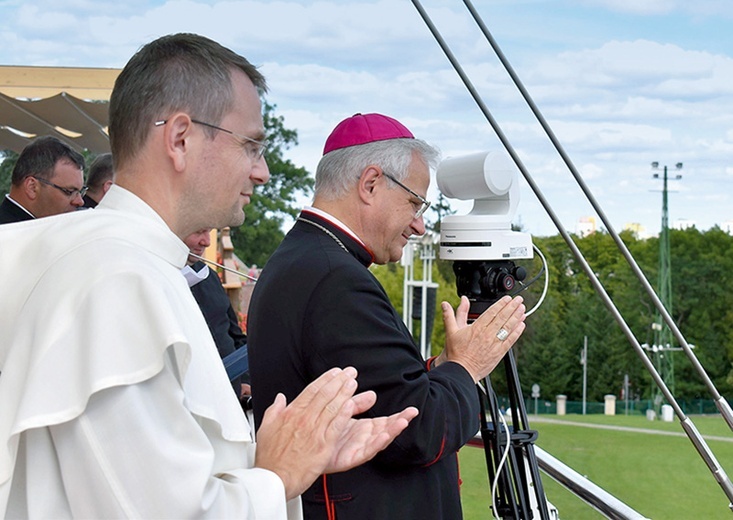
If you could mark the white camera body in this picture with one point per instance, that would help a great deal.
(485, 233)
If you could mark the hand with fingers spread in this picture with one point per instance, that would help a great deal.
(480, 346)
(317, 433)
(362, 439)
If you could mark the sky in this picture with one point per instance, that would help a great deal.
(621, 83)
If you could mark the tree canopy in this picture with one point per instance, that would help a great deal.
(6, 169)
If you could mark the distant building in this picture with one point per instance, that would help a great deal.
(727, 226)
(638, 230)
(585, 226)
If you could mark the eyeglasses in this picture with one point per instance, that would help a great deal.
(255, 149)
(69, 192)
(424, 203)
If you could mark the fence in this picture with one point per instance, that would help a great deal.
(636, 407)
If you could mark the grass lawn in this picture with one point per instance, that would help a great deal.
(660, 476)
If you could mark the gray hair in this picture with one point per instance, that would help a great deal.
(339, 171)
(185, 72)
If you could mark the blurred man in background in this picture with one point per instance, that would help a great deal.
(101, 176)
(48, 179)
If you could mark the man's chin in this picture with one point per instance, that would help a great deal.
(394, 256)
(237, 219)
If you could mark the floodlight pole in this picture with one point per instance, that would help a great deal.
(663, 353)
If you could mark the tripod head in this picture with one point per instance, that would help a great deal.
(483, 282)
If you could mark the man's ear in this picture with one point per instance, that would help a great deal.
(30, 187)
(368, 181)
(176, 139)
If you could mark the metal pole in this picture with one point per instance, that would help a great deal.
(424, 318)
(585, 372)
(598, 498)
(407, 286)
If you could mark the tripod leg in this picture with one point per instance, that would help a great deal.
(496, 440)
(513, 480)
(524, 439)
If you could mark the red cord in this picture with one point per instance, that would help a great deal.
(330, 507)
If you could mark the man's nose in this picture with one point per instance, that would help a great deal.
(418, 226)
(260, 171)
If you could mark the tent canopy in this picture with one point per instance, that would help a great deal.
(68, 103)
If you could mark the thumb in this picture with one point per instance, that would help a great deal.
(449, 319)
(462, 311)
(277, 406)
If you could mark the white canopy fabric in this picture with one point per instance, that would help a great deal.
(81, 124)
(70, 103)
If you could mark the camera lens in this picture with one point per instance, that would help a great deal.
(506, 282)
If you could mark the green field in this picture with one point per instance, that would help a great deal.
(660, 476)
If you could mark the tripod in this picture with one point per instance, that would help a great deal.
(510, 458)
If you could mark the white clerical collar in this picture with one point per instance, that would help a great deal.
(7, 196)
(193, 277)
(336, 222)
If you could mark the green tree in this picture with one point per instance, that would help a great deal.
(441, 208)
(8, 158)
(545, 353)
(272, 203)
(702, 276)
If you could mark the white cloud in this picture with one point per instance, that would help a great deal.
(618, 96)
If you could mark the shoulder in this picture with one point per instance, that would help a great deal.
(10, 212)
(64, 255)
